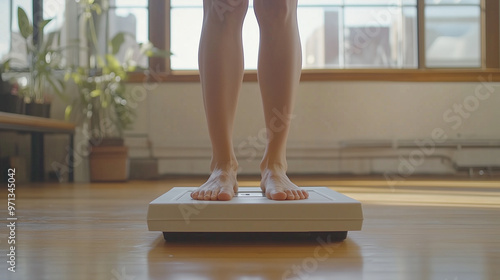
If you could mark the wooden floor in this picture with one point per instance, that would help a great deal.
(419, 229)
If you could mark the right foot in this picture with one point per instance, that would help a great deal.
(222, 185)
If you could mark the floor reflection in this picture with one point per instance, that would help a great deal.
(268, 258)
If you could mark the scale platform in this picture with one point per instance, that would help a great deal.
(324, 213)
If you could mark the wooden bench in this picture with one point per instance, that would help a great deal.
(38, 127)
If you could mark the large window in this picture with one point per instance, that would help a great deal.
(12, 44)
(130, 17)
(335, 34)
(353, 39)
(453, 33)
(343, 34)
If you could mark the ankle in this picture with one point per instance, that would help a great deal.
(227, 166)
(273, 167)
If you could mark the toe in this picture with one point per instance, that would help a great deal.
(207, 195)
(213, 196)
(289, 195)
(305, 193)
(225, 196)
(201, 195)
(299, 194)
(194, 195)
(277, 195)
(296, 195)
(268, 195)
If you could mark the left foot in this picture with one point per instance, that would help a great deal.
(277, 186)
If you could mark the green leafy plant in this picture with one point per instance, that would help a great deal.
(43, 59)
(102, 104)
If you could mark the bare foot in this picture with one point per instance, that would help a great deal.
(222, 185)
(277, 186)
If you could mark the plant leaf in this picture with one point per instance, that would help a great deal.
(43, 24)
(113, 63)
(97, 8)
(95, 93)
(24, 23)
(77, 78)
(117, 42)
(132, 68)
(67, 112)
(67, 76)
(155, 52)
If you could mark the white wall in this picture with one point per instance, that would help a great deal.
(334, 129)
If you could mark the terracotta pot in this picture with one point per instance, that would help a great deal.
(109, 164)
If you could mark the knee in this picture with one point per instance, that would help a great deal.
(226, 11)
(275, 11)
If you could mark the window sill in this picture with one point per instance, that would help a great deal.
(309, 75)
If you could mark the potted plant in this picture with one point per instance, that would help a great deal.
(44, 59)
(102, 107)
(102, 104)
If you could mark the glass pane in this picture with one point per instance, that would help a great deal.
(409, 38)
(185, 40)
(129, 3)
(377, 37)
(186, 3)
(379, 2)
(4, 29)
(186, 19)
(409, 2)
(453, 36)
(18, 44)
(337, 3)
(133, 21)
(319, 32)
(322, 3)
(325, 27)
(27, 5)
(55, 10)
(251, 39)
(452, 2)
(185, 36)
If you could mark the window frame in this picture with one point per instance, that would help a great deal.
(160, 70)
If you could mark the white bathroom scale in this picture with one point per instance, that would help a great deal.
(325, 212)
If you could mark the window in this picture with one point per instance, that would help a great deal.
(342, 39)
(342, 34)
(426, 40)
(12, 45)
(335, 34)
(129, 17)
(8, 24)
(453, 33)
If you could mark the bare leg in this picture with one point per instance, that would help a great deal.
(280, 62)
(221, 72)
